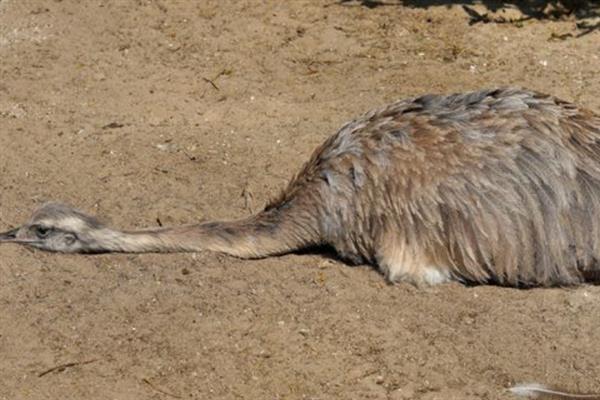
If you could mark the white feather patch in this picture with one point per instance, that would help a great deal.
(531, 390)
(537, 391)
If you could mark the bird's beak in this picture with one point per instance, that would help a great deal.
(9, 236)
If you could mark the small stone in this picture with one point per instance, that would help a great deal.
(167, 147)
(304, 332)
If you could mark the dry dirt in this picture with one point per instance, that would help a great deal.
(141, 111)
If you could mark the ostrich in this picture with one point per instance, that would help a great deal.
(494, 186)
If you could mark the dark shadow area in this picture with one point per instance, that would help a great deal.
(329, 253)
(583, 11)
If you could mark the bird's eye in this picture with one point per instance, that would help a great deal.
(42, 232)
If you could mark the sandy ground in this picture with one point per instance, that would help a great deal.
(181, 111)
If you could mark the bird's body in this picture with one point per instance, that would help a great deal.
(497, 186)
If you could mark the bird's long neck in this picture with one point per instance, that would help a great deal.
(267, 233)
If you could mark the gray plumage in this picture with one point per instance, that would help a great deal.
(498, 186)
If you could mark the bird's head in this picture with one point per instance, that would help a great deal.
(59, 228)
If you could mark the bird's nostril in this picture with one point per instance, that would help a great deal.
(9, 235)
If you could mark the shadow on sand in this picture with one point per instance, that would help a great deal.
(585, 12)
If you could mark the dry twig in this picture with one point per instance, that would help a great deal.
(62, 367)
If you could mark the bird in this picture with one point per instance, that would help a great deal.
(495, 186)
